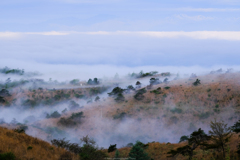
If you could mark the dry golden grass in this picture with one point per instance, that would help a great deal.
(18, 144)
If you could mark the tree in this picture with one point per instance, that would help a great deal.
(165, 80)
(120, 98)
(197, 82)
(138, 84)
(97, 99)
(90, 81)
(236, 127)
(95, 81)
(116, 91)
(112, 148)
(74, 82)
(90, 151)
(138, 152)
(220, 135)
(197, 138)
(154, 81)
(117, 155)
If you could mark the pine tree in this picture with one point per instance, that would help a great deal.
(117, 154)
(138, 152)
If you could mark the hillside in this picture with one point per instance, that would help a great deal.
(25, 147)
(154, 114)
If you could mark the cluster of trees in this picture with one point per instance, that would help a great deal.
(7, 70)
(88, 149)
(117, 92)
(74, 119)
(142, 74)
(216, 140)
(95, 81)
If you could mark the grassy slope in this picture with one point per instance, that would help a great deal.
(217, 97)
(18, 143)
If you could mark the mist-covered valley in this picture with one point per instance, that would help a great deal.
(145, 106)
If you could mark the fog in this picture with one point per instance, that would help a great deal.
(145, 122)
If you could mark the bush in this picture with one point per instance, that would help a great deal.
(80, 96)
(7, 156)
(120, 98)
(167, 87)
(176, 110)
(55, 114)
(139, 95)
(154, 81)
(21, 129)
(120, 115)
(116, 91)
(73, 105)
(74, 119)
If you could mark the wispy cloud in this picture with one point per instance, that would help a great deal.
(7, 35)
(219, 35)
(194, 18)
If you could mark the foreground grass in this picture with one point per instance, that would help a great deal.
(25, 147)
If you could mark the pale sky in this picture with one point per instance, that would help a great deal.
(126, 33)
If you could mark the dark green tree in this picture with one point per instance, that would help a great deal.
(117, 155)
(138, 152)
(197, 138)
(112, 148)
(197, 82)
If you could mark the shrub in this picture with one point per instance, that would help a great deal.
(29, 147)
(55, 114)
(21, 129)
(120, 98)
(7, 156)
(154, 81)
(120, 115)
(176, 110)
(74, 119)
(157, 91)
(73, 105)
(97, 99)
(167, 87)
(116, 91)
(139, 95)
(80, 96)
